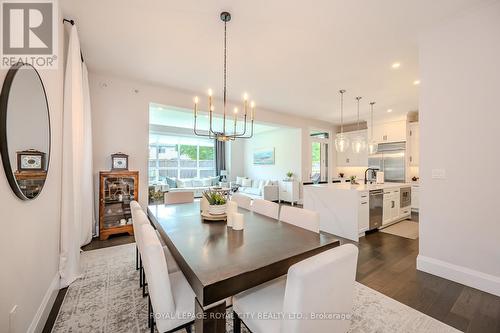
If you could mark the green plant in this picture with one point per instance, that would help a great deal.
(215, 198)
(155, 196)
(353, 179)
(289, 174)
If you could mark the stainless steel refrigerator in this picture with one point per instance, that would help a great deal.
(390, 158)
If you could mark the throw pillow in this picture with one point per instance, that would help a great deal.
(239, 180)
(172, 183)
(197, 183)
(246, 182)
(182, 183)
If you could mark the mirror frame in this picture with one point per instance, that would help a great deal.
(4, 148)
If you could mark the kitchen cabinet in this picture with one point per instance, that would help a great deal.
(289, 191)
(413, 144)
(393, 131)
(363, 212)
(349, 158)
(414, 197)
(391, 210)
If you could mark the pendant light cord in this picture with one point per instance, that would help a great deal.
(225, 75)
(358, 99)
(371, 117)
(342, 91)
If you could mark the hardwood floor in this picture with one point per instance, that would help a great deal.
(387, 263)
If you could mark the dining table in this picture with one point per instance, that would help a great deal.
(219, 262)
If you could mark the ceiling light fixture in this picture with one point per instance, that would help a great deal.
(341, 141)
(223, 135)
(396, 65)
(389, 110)
(359, 142)
(372, 146)
(416, 82)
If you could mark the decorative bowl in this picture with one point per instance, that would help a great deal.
(217, 209)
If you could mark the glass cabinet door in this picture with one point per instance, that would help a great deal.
(118, 193)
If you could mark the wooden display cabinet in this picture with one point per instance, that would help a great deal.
(116, 190)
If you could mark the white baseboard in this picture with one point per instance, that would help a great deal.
(43, 311)
(469, 277)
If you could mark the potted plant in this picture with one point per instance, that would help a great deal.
(353, 180)
(289, 175)
(155, 197)
(216, 201)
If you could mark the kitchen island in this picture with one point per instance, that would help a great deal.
(346, 210)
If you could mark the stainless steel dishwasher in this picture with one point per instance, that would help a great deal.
(376, 208)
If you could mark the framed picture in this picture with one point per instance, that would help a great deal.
(263, 156)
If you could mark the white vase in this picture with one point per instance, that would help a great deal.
(217, 209)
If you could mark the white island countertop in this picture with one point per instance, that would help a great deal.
(361, 187)
(344, 208)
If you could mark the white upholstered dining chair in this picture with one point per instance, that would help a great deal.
(140, 220)
(243, 201)
(299, 217)
(134, 206)
(322, 284)
(267, 208)
(178, 197)
(170, 297)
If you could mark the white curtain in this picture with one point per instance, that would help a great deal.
(77, 211)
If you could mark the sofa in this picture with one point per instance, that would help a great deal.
(257, 189)
(196, 185)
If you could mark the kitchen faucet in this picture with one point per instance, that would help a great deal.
(373, 170)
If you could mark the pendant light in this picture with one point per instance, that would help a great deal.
(372, 146)
(358, 144)
(341, 140)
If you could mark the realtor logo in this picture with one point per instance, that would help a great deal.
(28, 33)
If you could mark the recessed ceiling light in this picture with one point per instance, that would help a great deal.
(396, 65)
(416, 82)
(389, 110)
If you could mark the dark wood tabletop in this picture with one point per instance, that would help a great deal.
(219, 262)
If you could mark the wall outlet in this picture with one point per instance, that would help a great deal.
(438, 174)
(12, 319)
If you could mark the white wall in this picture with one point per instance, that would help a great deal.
(29, 239)
(459, 122)
(120, 112)
(287, 143)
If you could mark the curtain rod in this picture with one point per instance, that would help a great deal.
(72, 22)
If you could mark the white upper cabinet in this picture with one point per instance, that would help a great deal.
(349, 158)
(413, 144)
(392, 131)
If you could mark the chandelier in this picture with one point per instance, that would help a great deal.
(224, 135)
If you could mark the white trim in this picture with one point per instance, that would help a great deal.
(43, 311)
(469, 277)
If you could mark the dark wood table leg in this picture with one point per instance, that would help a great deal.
(210, 320)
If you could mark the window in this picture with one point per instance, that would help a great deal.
(180, 157)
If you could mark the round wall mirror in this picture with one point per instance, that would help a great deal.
(24, 131)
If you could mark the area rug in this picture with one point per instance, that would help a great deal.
(107, 299)
(406, 229)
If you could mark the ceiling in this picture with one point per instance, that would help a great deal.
(288, 55)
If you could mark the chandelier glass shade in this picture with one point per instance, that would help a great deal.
(228, 132)
(358, 144)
